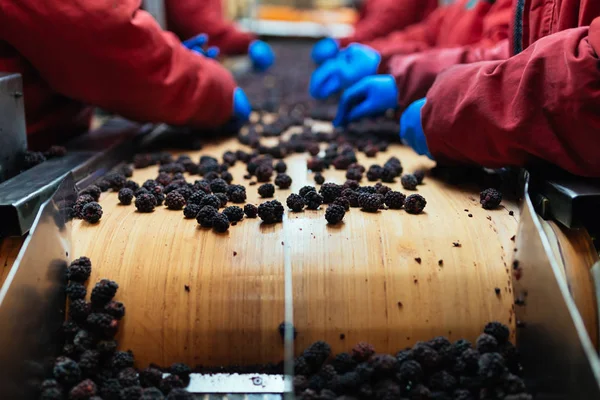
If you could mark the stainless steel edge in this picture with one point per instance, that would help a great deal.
(559, 359)
(33, 299)
(13, 136)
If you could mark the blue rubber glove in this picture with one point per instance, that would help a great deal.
(198, 44)
(324, 50)
(370, 97)
(241, 106)
(411, 129)
(261, 55)
(351, 65)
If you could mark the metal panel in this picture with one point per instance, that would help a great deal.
(13, 135)
(559, 359)
(32, 301)
(157, 9)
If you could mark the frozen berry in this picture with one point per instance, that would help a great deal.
(191, 211)
(499, 331)
(363, 351)
(271, 212)
(370, 202)
(490, 198)
(103, 292)
(250, 210)
(313, 200)
(79, 309)
(218, 186)
(145, 202)
(414, 204)
(234, 213)
(266, 190)
(211, 200)
(319, 179)
(295, 202)
(264, 172)
(220, 223)
(342, 201)
(330, 192)
(280, 167)
(283, 181)
(409, 182)
(334, 214)
(76, 290)
(374, 173)
(92, 212)
(174, 201)
(394, 200)
(303, 191)
(420, 175)
(93, 191)
(125, 196)
(205, 216)
(116, 309)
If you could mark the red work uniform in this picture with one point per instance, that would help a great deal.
(379, 18)
(109, 54)
(543, 103)
(466, 33)
(188, 18)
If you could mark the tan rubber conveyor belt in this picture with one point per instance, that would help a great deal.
(358, 281)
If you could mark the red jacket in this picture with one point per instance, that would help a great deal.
(541, 104)
(378, 18)
(187, 18)
(458, 24)
(109, 54)
(487, 30)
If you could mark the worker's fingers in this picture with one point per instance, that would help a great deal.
(361, 110)
(320, 78)
(197, 41)
(213, 52)
(353, 95)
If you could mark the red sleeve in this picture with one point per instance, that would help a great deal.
(112, 55)
(417, 37)
(188, 18)
(415, 73)
(539, 105)
(382, 17)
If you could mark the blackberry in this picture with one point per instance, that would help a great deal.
(409, 182)
(468, 362)
(102, 324)
(206, 215)
(211, 200)
(426, 356)
(238, 196)
(152, 393)
(370, 202)
(31, 159)
(219, 186)
(280, 167)
(264, 173)
(367, 189)
(395, 164)
(394, 200)
(343, 363)
(304, 191)
(462, 394)
(169, 383)
(330, 192)
(49, 384)
(319, 178)
(182, 370)
(295, 202)
(220, 223)
(374, 173)
(185, 191)
(250, 210)
(70, 328)
(196, 198)
(103, 184)
(317, 353)
(116, 181)
(158, 194)
(131, 185)
(89, 362)
(81, 202)
(149, 184)
(271, 212)
(66, 371)
(354, 174)
(150, 377)
(125, 196)
(227, 177)
(315, 164)
(382, 189)
(302, 367)
(300, 383)
(142, 191)
(234, 213)
(180, 394)
(350, 184)
(313, 200)
(371, 150)
(92, 212)
(486, 343)
(388, 174)
(191, 211)
(93, 191)
(342, 201)
(174, 201)
(491, 368)
(414, 204)
(55, 152)
(128, 377)
(83, 340)
(334, 214)
(282, 328)
(142, 160)
(110, 389)
(164, 178)
(410, 372)
(362, 351)
(103, 292)
(420, 175)
(79, 310)
(490, 198)
(122, 359)
(83, 391)
(145, 203)
(499, 331)
(266, 190)
(283, 181)
(76, 290)
(106, 347)
(442, 381)
(383, 364)
(116, 309)
(131, 393)
(351, 196)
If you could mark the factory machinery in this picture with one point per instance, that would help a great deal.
(217, 300)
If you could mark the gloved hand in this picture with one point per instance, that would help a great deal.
(411, 129)
(371, 96)
(198, 44)
(241, 106)
(351, 65)
(325, 49)
(261, 55)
